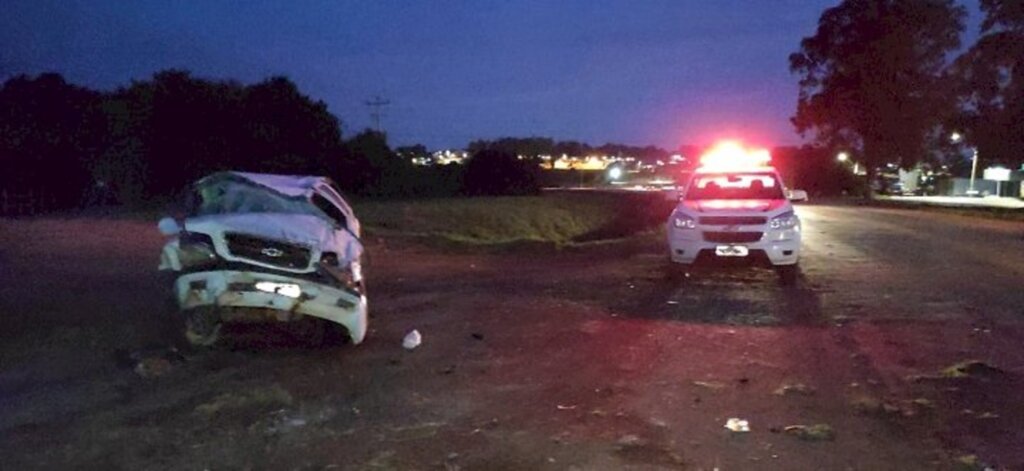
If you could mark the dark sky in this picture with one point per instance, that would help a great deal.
(664, 72)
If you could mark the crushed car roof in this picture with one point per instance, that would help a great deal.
(290, 185)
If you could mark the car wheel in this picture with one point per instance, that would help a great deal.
(202, 326)
(788, 274)
(324, 333)
(677, 272)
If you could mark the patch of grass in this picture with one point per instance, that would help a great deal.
(552, 218)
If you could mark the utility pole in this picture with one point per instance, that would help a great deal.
(375, 104)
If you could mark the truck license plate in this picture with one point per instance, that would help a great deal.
(731, 251)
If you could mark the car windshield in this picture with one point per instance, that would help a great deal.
(733, 186)
(233, 196)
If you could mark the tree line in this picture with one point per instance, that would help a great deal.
(877, 81)
(147, 141)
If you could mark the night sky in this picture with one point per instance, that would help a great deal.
(638, 72)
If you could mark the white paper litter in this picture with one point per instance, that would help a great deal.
(412, 340)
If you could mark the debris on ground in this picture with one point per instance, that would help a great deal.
(152, 367)
(795, 388)
(282, 421)
(970, 463)
(274, 396)
(922, 402)
(630, 440)
(872, 405)
(752, 319)
(418, 431)
(737, 425)
(412, 340)
(968, 368)
(715, 385)
(477, 336)
(150, 362)
(561, 407)
(812, 433)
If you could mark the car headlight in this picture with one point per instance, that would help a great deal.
(786, 220)
(195, 249)
(683, 222)
(348, 277)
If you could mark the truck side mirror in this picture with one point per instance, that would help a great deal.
(797, 195)
(168, 226)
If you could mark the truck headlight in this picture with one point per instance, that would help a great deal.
(683, 222)
(195, 249)
(348, 277)
(786, 220)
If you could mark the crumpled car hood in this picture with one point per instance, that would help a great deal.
(302, 229)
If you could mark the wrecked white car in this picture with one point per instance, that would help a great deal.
(258, 247)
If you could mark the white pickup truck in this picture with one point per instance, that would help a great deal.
(736, 211)
(257, 246)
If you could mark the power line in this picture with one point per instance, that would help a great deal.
(375, 104)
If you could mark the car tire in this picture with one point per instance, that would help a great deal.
(677, 272)
(202, 326)
(326, 334)
(788, 274)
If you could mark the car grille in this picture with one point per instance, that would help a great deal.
(732, 220)
(270, 252)
(732, 237)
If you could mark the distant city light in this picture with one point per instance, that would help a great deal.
(615, 173)
(956, 137)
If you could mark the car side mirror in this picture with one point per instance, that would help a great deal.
(168, 226)
(797, 195)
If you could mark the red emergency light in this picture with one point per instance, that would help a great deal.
(732, 156)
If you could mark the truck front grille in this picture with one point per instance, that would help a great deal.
(732, 237)
(270, 252)
(733, 220)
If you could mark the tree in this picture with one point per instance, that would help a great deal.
(50, 131)
(174, 128)
(499, 172)
(287, 131)
(871, 77)
(371, 168)
(991, 90)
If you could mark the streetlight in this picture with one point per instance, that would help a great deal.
(956, 138)
(843, 157)
(615, 173)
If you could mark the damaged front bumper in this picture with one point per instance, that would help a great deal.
(227, 288)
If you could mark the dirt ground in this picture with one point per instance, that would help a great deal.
(536, 358)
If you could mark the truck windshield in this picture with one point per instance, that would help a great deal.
(735, 186)
(233, 197)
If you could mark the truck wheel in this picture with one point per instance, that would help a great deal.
(788, 274)
(202, 326)
(676, 272)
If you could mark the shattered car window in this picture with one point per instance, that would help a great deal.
(330, 209)
(229, 197)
